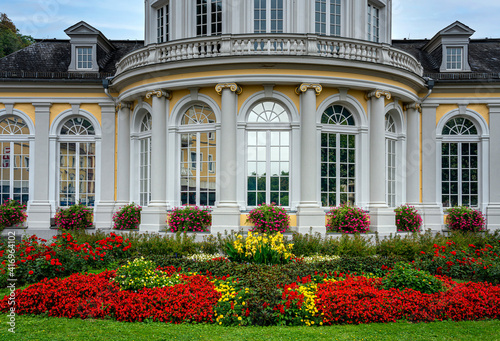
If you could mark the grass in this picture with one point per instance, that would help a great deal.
(48, 328)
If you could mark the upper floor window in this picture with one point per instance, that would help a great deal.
(208, 17)
(373, 23)
(84, 57)
(162, 21)
(327, 17)
(454, 58)
(268, 16)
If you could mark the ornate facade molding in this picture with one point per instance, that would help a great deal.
(121, 105)
(158, 93)
(231, 86)
(306, 86)
(415, 106)
(378, 94)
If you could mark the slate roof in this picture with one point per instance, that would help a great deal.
(484, 59)
(49, 59)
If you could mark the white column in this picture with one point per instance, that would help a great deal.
(381, 217)
(226, 216)
(154, 217)
(432, 215)
(104, 209)
(413, 154)
(123, 156)
(39, 212)
(493, 208)
(309, 212)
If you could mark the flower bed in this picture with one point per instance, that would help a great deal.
(310, 300)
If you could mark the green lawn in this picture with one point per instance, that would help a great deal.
(44, 328)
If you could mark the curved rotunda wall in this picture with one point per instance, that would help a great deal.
(168, 20)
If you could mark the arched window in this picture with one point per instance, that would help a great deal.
(198, 156)
(390, 159)
(77, 160)
(460, 163)
(338, 156)
(145, 160)
(268, 154)
(15, 150)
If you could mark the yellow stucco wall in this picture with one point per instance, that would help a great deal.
(94, 109)
(176, 97)
(2, 106)
(360, 97)
(58, 108)
(26, 108)
(327, 92)
(481, 109)
(210, 92)
(289, 91)
(443, 109)
(248, 90)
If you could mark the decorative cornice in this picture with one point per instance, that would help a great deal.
(159, 94)
(306, 86)
(415, 106)
(378, 94)
(231, 86)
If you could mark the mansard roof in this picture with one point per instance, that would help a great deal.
(50, 58)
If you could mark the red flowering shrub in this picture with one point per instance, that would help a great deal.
(36, 258)
(347, 219)
(96, 296)
(269, 219)
(189, 218)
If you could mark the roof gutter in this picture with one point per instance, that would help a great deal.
(106, 82)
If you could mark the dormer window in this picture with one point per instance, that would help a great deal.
(454, 57)
(84, 58)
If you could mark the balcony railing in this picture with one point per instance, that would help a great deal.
(269, 45)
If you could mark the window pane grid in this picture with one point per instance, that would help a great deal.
(373, 23)
(84, 57)
(14, 172)
(459, 174)
(145, 171)
(338, 169)
(208, 17)
(260, 16)
(391, 172)
(454, 58)
(327, 17)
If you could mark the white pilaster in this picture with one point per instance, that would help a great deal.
(39, 212)
(123, 156)
(153, 217)
(413, 154)
(381, 216)
(493, 208)
(226, 216)
(309, 212)
(432, 214)
(103, 212)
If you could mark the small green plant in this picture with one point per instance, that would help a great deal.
(465, 218)
(408, 219)
(190, 218)
(75, 217)
(128, 217)
(347, 219)
(404, 276)
(141, 273)
(12, 212)
(269, 219)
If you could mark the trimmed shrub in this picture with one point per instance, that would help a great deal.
(347, 219)
(190, 219)
(408, 219)
(405, 276)
(12, 212)
(269, 219)
(75, 217)
(128, 217)
(465, 219)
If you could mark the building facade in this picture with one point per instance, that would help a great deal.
(232, 103)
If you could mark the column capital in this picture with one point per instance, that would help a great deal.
(378, 94)
(414, 106)
(306, 86)
(159, 93)
(231, 86)
(124, 105)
